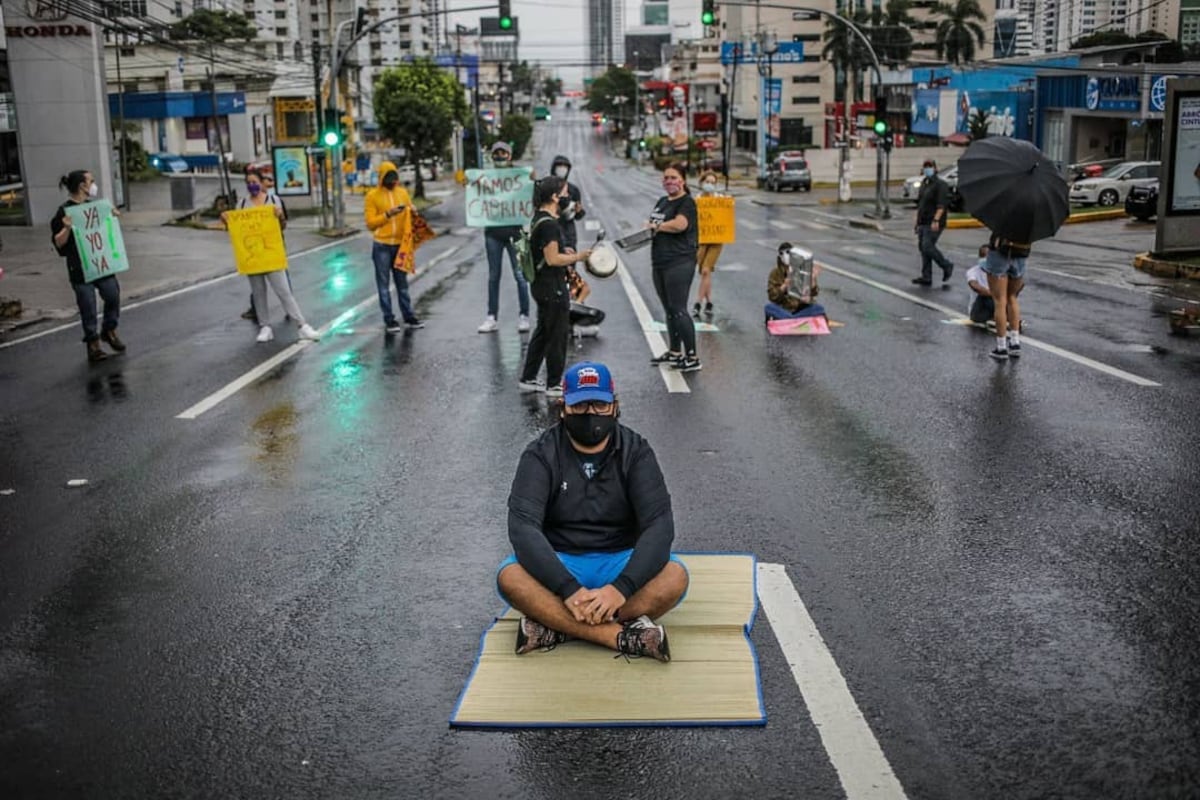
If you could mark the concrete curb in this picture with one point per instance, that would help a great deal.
(1074, 219)
(865, 224)
(1164, 268)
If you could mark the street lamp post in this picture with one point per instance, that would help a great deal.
(768, 45)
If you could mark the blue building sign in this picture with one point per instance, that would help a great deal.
(1158, 92)
(1113, 93)
(748, 53)
(927, 104)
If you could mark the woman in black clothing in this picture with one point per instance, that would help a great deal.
(673, 263)
(549, 290)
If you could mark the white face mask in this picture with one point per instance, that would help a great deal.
(94, 190)
(562, 172)
(708, 187)
(785, 258)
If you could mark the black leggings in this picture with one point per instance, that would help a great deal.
(673, 282)
(549, 340)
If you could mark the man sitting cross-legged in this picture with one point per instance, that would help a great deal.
(589, 518)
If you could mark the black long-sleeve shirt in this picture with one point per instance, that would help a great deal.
(553, 507)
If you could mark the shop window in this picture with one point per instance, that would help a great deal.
(805, 100)
(806, 79)
(195, 128)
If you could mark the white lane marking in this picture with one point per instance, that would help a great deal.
(781, 224)
(816, 226)
(674, 380)
(1137, 380)
(159, 298)
(246, 379)
(754, 226)
(591, 225)
(734, 267)
(862, 251)
(853, 750)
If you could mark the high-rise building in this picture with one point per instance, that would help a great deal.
(1013, 35)
(604, 26)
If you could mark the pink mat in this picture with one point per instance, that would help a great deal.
(803, 326)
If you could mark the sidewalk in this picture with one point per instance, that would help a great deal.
(162, 258)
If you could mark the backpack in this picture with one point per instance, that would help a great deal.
(528, 263)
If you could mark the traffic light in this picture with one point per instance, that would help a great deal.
(882, 128)
(708, 13)
(360, 22)
(332, 134)
(505, 15)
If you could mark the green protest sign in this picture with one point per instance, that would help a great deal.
(499, 196)
(98, 237)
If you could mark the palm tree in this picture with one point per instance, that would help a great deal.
(847, 52)
(959, 30)
(890, 34)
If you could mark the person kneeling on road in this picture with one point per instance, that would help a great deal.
(982, 308)
(787, 299)
(590, 521)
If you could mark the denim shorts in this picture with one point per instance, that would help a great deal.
(1004, 267)
(593, 570)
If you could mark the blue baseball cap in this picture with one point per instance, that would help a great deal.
(588, 380)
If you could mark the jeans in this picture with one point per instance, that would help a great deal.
(774, 311)
(927, 242)
(550, 338)
(673, 283)
(495, 247)
(85, 298)
(1003, 266)
(384, 256)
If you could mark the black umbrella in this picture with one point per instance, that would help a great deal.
(1010, 186)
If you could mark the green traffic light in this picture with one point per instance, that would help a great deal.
(707, 18)
(505, 23)
(881, 128)
(331, 138)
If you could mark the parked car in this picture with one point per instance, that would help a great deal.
(168, 162)
(789, 169)
(1142, 202)
(1112, 187)
(1090, 169)
(541, 112)
(912, 187)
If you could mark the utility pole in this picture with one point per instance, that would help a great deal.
(230, 199)
(318, 117)
(121, 130)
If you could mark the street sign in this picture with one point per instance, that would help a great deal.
(748, 53)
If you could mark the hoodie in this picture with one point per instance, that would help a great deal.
(394, 230)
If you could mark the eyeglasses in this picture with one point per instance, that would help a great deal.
(592, 407)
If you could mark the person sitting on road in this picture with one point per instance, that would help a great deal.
(783, 302)
(981, 308)
(590, 521)
(585, 320)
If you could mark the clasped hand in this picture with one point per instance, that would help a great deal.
(595, 606)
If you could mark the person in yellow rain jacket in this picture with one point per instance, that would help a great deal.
(389, 214)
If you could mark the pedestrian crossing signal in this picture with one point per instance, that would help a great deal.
(708, 14)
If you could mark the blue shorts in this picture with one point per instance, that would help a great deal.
(593, 570)
(1004, 267)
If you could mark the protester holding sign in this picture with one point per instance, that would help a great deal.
(498, 235)
(708, 252)
(389, 214)
(82, 187)
(256, 232)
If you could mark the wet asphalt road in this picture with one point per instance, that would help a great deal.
(283, 597)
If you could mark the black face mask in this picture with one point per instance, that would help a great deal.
(564, 203)
(390, 180)
(589, 430)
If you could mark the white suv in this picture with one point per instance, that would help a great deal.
(1111, 187)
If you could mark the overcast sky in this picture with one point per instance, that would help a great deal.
(551, 31)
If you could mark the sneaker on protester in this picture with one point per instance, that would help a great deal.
(309, 332)
(393, 327)
(414, 324)
(1000, 354)
(691, 364)
(490, 325)
(667, 357)
(531, 386)
(642, 637)
(265, 334)
(522, 324)
(533, 635)
(554, 392)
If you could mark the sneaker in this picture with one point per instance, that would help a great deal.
(523, 324)
(1000, 354)
(250, 315)
(393, 327)
(708, 309)
(309, 332)
(414, 324)
(923, 281)
(666, 358)
(113, 340)
(687, 364)
(265, 334)
(947, 271)
(696, 310)
(533, 635)
(641, 637)
(554, 392)
(1014, 350)
(531, 386)
(490, 325)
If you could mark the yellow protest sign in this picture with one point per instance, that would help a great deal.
(716, 218)
(257, 240)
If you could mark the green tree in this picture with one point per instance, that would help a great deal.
(1102, 39)
(520, 80)
(890, 33)
(848, 54)
(552, 88)
(977, 125)
(213, 27)
(959, 31)
(605, 92)
(517, 130)
(417, 105)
